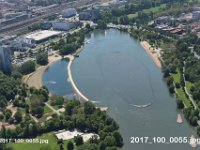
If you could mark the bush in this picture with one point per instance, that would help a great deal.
(67, 49)
(27, 67)
(180, 104)
(70, 146)
(78, 140)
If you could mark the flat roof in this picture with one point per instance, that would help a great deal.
(41, 35)
(66, 135)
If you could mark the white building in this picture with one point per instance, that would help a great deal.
(5, 60)
(33, 38)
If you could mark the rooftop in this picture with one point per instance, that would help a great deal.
(42, 34)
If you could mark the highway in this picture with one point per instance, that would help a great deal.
(23, 24)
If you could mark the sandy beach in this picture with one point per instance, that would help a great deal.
(35, 79)
(152, 52)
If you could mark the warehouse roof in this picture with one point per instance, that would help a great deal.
(42, 35)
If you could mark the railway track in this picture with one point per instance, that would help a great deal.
(23, 24)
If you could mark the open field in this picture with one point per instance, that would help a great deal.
(153, 9)
(47, 109)
(52, 144)
(181, 94)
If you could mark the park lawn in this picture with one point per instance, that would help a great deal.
(47, 109)
(37, 65)
(189, 85)
(177, 77)
(147, 11)
(52, 143)
(56, 107)
(131, 16)
(181, 94)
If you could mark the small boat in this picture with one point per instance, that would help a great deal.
(76, 55)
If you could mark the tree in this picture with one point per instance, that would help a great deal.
(89, 108)
(42, 58)
(7, 114)
(70, 106)
(101, 24)
(87, 147)
(78, 140)
(61, 147)
(16, 75)
(67, 49)
(27, 67)
(18, 116)
(180, 104)
(8, 87)
(102, 146)
(70, 145)
(110, 141)
(118, 138)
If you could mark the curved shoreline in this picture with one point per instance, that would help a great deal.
(152, 52)
(35, 79)
(70, 78)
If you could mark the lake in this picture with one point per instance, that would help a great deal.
(115, 71)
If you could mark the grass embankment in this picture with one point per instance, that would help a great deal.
(189, 85)
(180, 93)
(47, 109)
(52, 143)
(147, 11)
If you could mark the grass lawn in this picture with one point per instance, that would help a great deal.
(189, 85)
(47, 109)
(181, 94)
(153, 9)
(56, 107)
(177, 77)
(37, 65)
(52, 144)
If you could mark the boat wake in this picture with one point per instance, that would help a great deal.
(142, 106)
(95, 102)
(51, 82)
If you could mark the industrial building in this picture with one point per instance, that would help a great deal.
(5, 60)
(39, 36)
(64, 25)
(67, 13)
(92, 14)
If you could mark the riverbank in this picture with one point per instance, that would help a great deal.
(35, 79)
(152, 52)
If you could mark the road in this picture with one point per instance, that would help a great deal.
(55, 111)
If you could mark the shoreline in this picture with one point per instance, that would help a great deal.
(35, 79)
(70, 78)
(152, 52)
